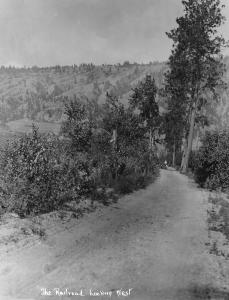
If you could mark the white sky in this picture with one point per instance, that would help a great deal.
(49, 32)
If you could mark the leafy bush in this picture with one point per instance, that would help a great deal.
(212, 161)
(36, 175)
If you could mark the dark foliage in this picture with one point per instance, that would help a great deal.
(211, 166)
(38, 176)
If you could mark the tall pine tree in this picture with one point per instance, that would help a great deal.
(195, 63)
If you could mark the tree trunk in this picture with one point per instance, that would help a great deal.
(187, 151)
(114, 139)
(114, 149)
(150, 139)
(183, 155)
(174, 154)
(198, 139)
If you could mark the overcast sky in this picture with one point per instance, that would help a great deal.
(50, 32)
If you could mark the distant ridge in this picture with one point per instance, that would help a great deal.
(38, 93)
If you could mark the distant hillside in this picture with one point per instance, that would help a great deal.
(38, 94)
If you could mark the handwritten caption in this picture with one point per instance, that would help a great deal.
(83, 293)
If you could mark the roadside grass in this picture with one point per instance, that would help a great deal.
(15, 230)
(35, 228)
(218, 217)
(218, 225)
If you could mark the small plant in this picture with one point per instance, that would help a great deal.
(214, 249)
(39, 231)
(35, 230)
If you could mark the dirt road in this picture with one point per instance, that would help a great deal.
(151, 244)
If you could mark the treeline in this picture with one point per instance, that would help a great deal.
(83, 67)
(96, 151)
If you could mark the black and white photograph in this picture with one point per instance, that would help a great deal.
(114, 149)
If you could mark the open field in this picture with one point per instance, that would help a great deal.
(21, 126)
(25, 126)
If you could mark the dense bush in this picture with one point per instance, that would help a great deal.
(37, 176)
(212, 161)
(40, 172)
(129, 154)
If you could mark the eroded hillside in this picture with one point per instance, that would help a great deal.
(38, 94)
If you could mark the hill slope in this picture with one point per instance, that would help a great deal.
(38, 94)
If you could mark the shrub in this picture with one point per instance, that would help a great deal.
(212, 161)
(36, 175)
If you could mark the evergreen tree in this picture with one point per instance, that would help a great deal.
(195, 63)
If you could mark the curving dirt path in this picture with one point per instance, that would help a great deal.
(151, 244)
